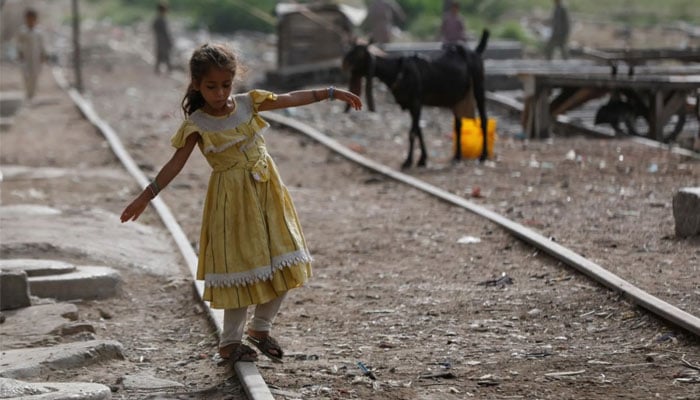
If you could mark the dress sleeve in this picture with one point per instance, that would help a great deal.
(180, 137)
(259, 97)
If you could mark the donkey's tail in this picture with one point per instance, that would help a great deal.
(482, 43)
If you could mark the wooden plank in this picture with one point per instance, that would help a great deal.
(647, 82)
(255, 387)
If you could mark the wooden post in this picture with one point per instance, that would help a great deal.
(656, 125)
(76, 47)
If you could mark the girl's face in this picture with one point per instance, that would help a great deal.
(216, 86)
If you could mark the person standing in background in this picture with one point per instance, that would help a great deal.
(452, 28)
(164, 41)
(31, 51)
(380, 18)
(561, 28)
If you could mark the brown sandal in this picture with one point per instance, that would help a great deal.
(240, 352)
(265, 345)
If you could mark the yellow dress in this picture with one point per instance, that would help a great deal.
(251, 247)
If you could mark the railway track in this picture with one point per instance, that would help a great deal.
(661, 309)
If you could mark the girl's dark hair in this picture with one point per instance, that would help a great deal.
(202, 60)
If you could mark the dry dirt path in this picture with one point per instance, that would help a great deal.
(394, 289)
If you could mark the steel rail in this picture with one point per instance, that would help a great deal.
(587, 267)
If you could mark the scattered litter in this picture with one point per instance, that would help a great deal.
(443, 364)
(539, 354)
(379, 312)
(468, 240)
(365, 371)
(443, 374)
(687, 376)
(598, 362)
(653, 168)
(533, 163)
(476, 192)
(488, 380)
(688, 364)
(500, 281)
(305, 357)
(285, 393)
(564, 373)
(666, 337)
(571, 155)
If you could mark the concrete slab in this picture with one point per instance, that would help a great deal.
(14, 290)
(686, 211)
(10, 102)
(21, 172)
(85, 283)
(36, 267)
(40, 361)
(93, 235)
(35, 324)
(15, 389)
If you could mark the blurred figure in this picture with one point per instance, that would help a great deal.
(380, 18)
(560, 26)
(31, 51)
(164, 41)
(452, 28)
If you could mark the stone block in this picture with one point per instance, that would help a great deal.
(86, 283)
(14, 290)
(34, 267)
(686, 211)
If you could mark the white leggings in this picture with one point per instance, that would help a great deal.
(235, 318)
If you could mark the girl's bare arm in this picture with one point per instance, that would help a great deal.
(303, 97)
(164, 177)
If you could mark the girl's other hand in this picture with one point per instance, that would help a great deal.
(133, 210)
(348, 97)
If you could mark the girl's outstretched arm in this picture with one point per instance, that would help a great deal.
(303, 97)
(166, 174)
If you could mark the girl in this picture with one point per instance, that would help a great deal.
(251, 249)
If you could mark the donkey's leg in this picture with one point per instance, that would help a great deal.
(480, 97)
(415, 114)
(463, 109)
(409, 158)
(458, 137)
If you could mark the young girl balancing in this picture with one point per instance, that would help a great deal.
(251, 249)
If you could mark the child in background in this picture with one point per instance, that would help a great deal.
(251, 249)
(31, 51)
(163, 38)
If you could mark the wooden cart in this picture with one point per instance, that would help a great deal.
(654, 106)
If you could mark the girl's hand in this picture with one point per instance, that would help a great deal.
(133, 210)
(348, 97)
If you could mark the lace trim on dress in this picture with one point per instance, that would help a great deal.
(258, 274)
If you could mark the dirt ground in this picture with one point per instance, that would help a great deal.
(395, 287)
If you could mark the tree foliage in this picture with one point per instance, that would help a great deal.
(423, 16)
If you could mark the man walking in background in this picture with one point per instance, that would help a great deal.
(452, 28)
(560, 26)
(380, 18)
